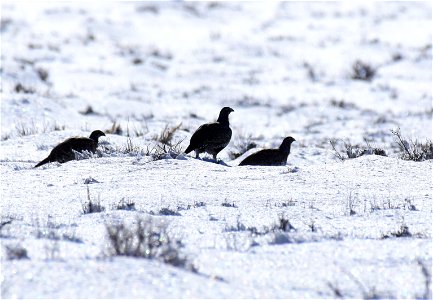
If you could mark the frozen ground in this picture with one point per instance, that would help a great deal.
(358, 228)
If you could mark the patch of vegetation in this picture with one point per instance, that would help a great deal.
(367, 292)
(5, 136)
(371, 292)
(137, 132)
(362, 71)
(402, 231)
(92, 206)
(85, 155)
(168, 212)
(155, 152)
(355, 151)
(159, 53)
(227, 204)
(56, 127)
(426, 272)
(21, 88)
(283, 224)
(89, 111)
(54, 232)
(193, 115)
(242, 144)
(24, 130)
(42, 74)
(409, 205)
(190, 206)
(310, 71)
(241, 227)
(342, 104)
(413, 150)
(165, 147)
(281, 237)
(52, 250)
(137, 61)
(16, 252)
(280, 232)
(125, 205)
(387, 204)
(164, 151)
(146, 239)
(166, 135)
(288, 203)
(350, 204)
(115, 129)
(291, 170)
(251, 100)
(397, 56)
(130, 149)
(4, 223)
(148, 8)
(239, 242)
(312, 225)
(54, 235)
(337, 293)
(90, 180)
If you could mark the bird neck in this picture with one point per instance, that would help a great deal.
(94, 138)
(285, 148)
(223, 119)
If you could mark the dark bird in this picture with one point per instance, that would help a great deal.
(270, 157)
(64, 151)
(212, 137)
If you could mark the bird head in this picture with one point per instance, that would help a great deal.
(226, 110)
(224, 115)
(96, 134)
(287, 142)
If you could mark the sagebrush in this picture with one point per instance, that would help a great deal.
(145, 239)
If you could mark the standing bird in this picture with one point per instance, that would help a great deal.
(212, 137)
(64, 151)
(270, 157)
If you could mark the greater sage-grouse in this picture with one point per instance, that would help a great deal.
(212, 137)
(64, 151)
(270, 157)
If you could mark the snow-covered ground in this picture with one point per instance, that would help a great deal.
(357, 228)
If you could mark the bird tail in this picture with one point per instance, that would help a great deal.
(45, 161)
(189, 149)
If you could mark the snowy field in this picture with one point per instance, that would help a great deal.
(150, 73)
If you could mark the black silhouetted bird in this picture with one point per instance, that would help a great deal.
(212, 137)
(64, 151)
(270, 157)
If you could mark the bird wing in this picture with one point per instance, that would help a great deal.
(261, 158)
(204, 134)
(83, 144)
(63, 151)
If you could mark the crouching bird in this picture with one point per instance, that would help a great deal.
(270, 157)
(212, 137)
(64, 151)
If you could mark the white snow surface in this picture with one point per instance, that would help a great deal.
(285, 68)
